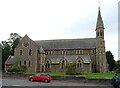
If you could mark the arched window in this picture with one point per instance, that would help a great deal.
(98, 34)
(11, 66)
(101, 33)
(63, 64)
(30, 51)
(24, 62)
(20, 52)
(29, 64)
(20, 62)
(79, 65)
(48, 64)
(64, 52)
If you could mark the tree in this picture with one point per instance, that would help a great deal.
(71, 69)
(110, 60)
(17, 67)
(8, 46)
(13, 37)
(117, 66)
(5, 52)
(14, 40)
(21, 68)
(15, 43)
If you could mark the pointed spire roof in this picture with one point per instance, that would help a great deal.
(99, 20)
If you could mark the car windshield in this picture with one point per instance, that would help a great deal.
(37, 74)
(42, 75)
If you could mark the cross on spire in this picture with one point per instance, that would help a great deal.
(99, 5)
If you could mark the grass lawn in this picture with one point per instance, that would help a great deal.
(30, 73)
(56, 73)
(99, 75)
(88, 75)
(51, 73)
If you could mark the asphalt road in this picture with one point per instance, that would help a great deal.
(24, 83)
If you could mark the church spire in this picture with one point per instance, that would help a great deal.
(99, 20)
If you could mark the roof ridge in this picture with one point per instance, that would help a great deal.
(65, 39)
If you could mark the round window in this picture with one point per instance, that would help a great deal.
(26, 44)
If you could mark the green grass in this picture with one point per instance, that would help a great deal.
(99, 75)
(51, 73)
(30, 73)
(88, 75)
(56, 73)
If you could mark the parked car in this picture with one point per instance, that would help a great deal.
(40, 77)
(116, 81)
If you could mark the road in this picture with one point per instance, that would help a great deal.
(26, 84)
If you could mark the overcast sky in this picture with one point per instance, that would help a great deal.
(59, 19)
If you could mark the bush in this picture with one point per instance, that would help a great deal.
(117, 67)
(10, 70)
(71, 69)
(22, 68)
(79, 73)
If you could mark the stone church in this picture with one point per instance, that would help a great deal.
(53, 55)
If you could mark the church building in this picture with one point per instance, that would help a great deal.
(53, 55)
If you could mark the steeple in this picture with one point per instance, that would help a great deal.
(101, 62)
(99, 20)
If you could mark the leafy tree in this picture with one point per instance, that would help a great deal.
(17, 67)
(71, 69)
(21, 68)
(110, 60)
(24, 68)
(14, 40)
(16, 63)
(5, 52)
(8, 46)
(13, 37)
(15, 43)
(117, 66)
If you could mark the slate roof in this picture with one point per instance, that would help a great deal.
(69, 58)
(41, 50)
(58, 58)
(67, 44)
(10, 60)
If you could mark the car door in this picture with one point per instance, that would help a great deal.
(41, 77)
(36, 77)
(33, 77)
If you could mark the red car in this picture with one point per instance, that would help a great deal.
(40, 77)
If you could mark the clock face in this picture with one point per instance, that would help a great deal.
(26, 44)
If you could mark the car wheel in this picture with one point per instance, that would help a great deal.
(46, 81)
(31, 79)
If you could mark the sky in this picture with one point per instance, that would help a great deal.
(59, 19)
